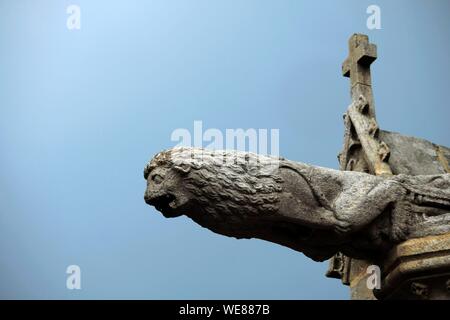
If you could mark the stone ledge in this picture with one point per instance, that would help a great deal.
(417, 269)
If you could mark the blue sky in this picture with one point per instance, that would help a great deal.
(82, 111)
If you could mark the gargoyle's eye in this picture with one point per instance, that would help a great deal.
(157, 178)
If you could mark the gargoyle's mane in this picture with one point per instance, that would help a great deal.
(229, 182)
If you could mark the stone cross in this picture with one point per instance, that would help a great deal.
(357, 65)
(362, 110)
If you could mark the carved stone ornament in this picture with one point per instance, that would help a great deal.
(314, 210)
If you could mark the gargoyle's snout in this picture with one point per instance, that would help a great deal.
(163, 203)
(159, 200)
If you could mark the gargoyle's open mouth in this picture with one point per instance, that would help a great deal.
(166, 204)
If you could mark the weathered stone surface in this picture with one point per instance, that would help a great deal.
(417, 269)
(415, 156)
(317, 211)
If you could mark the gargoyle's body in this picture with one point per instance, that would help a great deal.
(314, 210)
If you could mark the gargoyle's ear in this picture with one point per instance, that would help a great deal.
(183, 168)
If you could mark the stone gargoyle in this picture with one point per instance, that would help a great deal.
(314, 210)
